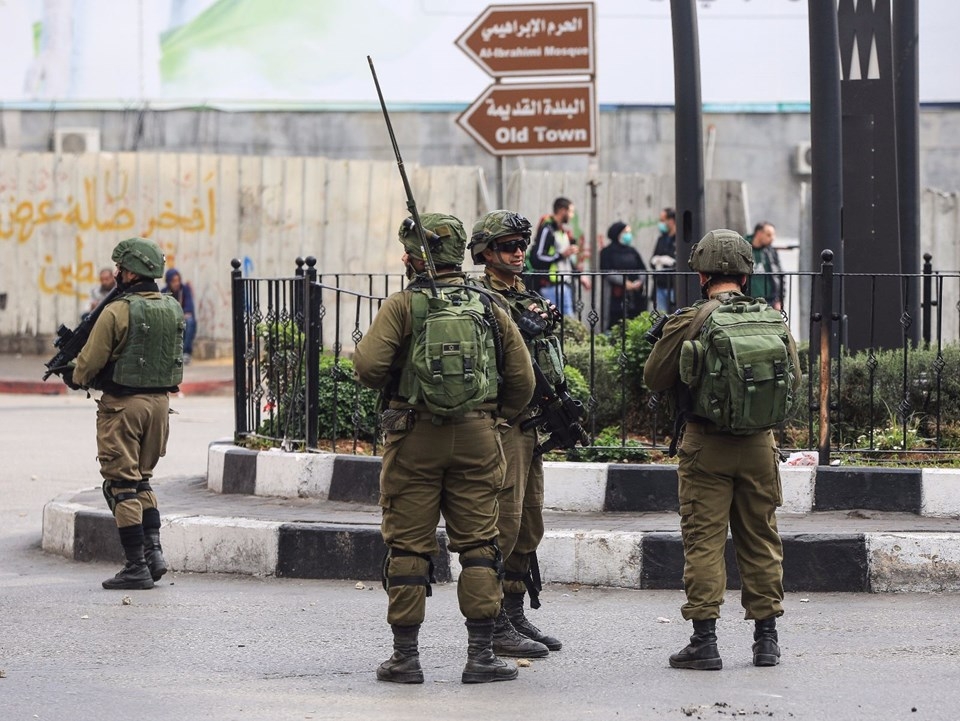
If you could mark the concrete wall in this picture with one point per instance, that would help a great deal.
(756, 148)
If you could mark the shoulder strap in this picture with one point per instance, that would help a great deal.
(703, 312)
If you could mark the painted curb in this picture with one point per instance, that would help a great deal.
(598, 487)
(868, 562)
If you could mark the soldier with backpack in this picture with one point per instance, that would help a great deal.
(499, 242)
(732, 369)
(451, 365)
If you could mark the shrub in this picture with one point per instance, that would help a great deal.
(344, 406)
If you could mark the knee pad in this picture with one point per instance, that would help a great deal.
(406, 568)
(116, 492)
(485, 554)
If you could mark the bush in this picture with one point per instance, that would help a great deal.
(344, 405)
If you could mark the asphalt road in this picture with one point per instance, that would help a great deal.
(218, 647)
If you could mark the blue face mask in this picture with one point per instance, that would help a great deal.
(626, 238)
(662, 227)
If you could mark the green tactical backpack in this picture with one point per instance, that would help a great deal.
(738, 367)
(452, 362)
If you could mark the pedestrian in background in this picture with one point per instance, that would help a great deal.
(439, 463)
(556, 256)
(767, 280)
(664, 260)
(107, 283)
(134, 355)
(183, 292)
(623, 294)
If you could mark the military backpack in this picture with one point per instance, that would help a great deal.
(452, 360)
(736, 361)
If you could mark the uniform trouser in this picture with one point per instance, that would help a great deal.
(728, 480)
(520, 523)
(131, 438)
(456, 469)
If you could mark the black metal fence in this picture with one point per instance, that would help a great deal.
(293, 338)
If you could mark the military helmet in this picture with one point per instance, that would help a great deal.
(722, 252)
(496, 224)
(141, 256)
(446, 249)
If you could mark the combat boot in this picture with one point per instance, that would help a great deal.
(766, 650)
(701, 653)
(507, 642)
(513, 605)
(135, 575)
(404, 665)
(153, 553)
(482, 665)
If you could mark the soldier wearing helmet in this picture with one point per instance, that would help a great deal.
(433, 463)
(499, 241)
(135, 356)
(726, 480)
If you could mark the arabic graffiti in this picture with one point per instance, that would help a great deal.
(103, 207)
(26, 217)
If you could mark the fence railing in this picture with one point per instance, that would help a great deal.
(293, 339)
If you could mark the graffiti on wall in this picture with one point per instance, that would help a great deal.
(98, 211)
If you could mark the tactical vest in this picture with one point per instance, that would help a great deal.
(153, 355)
(544, 349)
(451, 364)
(736, 361)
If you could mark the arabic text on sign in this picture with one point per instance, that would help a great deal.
(532, 28)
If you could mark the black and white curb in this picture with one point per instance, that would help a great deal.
(871, 561)
(813, 562)
(596, 487)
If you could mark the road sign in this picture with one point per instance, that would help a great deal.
(512, 40)
(541, 119)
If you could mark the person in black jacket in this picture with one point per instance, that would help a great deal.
(665, 259)
(624, 295)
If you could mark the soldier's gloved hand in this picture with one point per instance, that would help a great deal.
(67, 376)
(531, 324)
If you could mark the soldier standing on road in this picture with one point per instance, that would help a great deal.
(435, 463)
(499, 242)
(725, 479)
(135, 356)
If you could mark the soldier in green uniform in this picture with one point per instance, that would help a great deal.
(499, 242)
(725, 480)
(437, 464)
(135, 356)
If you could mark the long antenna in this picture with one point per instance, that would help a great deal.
(411, 203)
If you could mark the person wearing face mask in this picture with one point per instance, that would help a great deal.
(623, 294)
(665, 259)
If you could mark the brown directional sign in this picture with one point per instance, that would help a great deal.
(542, 119)
(512, 40)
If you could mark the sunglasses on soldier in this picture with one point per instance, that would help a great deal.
(512, 246)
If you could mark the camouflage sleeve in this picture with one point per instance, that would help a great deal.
(662, 369)
(107, 338)
(518, 379)
(376, 353)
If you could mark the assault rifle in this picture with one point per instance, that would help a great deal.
(70, 342)
(560, 413)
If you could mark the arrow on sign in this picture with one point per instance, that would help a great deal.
(542, 119)
(510, 40)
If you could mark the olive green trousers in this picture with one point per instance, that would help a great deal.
(729, 481)
(132, 436)
(455, 469)
(520, 523)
